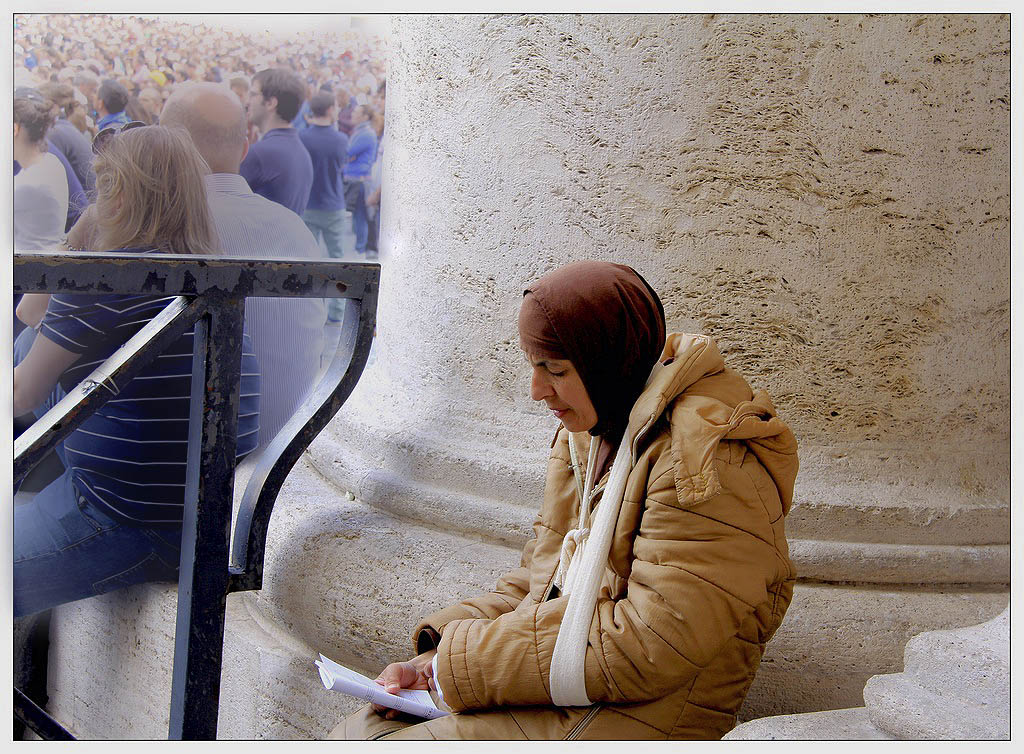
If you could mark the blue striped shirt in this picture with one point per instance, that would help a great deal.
(129, 457)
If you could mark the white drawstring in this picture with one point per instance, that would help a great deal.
(574, 540)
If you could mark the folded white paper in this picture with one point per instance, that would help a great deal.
(336, 677)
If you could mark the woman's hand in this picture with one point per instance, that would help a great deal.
(413, 674)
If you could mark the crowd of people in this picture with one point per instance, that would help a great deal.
(147, 136)
(100, 71)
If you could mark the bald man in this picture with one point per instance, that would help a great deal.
(287, 332)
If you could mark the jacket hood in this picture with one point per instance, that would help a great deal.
(705, 402)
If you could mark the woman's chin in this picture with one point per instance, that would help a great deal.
(572, 423)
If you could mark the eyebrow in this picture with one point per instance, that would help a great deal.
(546, 363)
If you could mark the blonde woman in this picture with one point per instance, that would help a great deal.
(114, 517)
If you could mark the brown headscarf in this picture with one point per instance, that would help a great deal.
(608, 321)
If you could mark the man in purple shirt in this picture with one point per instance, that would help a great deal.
(278, 167)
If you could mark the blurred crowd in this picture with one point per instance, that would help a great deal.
(102, 71)
(151, 136)
(152, 55)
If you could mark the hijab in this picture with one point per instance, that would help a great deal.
(608, 321)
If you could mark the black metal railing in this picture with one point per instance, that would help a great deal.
(210, 296)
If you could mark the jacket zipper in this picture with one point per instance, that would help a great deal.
(582, 724)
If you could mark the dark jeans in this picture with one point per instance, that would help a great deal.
(65, 549)
(355, 202)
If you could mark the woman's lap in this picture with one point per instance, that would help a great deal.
(66, 550)
(544, 723)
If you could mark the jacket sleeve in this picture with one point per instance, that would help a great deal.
(509, 592)
(359, 145)
(698, 571)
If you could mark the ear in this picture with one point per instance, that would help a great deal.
(245, 148)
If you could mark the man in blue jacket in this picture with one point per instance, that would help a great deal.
(362, 153)
(111, 100)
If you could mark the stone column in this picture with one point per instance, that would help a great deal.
(826, 195)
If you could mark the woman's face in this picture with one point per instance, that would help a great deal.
(558, 384)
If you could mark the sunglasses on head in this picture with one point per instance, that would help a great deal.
(101, 139)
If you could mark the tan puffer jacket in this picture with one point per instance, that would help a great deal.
(698, 577)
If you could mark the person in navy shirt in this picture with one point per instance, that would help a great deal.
(278, 166)
(328, 148)
(72, 143)
(111, 100)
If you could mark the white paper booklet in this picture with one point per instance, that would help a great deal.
(339, 678)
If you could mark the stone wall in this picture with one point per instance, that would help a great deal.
(828, 195)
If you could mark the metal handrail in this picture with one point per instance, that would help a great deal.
(209, 295)
(276, 461)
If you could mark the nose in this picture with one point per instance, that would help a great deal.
(540, 386)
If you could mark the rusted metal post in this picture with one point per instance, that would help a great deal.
(209, 484)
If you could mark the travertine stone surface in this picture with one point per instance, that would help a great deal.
(834, 725)
(827, 195)
(351, 581)
(954, 685)
(834, 638)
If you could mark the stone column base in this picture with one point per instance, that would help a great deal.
(955, 685)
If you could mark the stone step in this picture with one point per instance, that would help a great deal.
(860, 530)
(955, 685)
(833, 725)
(351, 580)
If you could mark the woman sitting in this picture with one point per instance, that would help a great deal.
(114, 517)
(659, 566)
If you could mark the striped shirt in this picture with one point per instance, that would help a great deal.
(129, 457)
